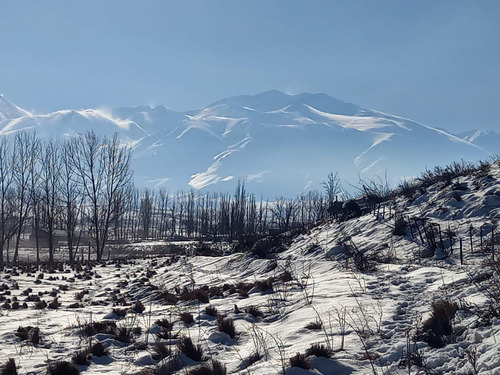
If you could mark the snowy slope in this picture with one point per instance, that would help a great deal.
(277, 143)
(9, 110)
(384, 308)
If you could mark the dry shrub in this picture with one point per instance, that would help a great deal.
(285, 276)
(186, 317)
(400, 224)
(138, 307)
(319, 350)
(255, 312)
(314, 326)
(81, 358)
(63, 368)
(9, 368)
(98, 350)
(214, 367)
(439, 325)
(300, 360)
(160, 351)
(264, 285)
(106, 327)
(195, 352)
(226, 325)
(164, 323)
(211, 310)
(120, 312)
(124, 334)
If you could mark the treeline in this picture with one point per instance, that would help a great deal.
(157, 214)
(78, 186)
(82, 187)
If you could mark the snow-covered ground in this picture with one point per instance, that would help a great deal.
(376, 313)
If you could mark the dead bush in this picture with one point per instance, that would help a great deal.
(98, 350)
(226, 325)
(211, 310)
(63, 368)
(264, 285)
(314, 326)
(319, 350)
(9, 368)
(300, 360)
(81, 358)
(195, 352)
(186, 317)
(213, 367)
(255, 312)
(160, 351)
(438, 327)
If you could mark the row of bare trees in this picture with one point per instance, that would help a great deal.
(153, 214)
(74, 186)
(81, 187)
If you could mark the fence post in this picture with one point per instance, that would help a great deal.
(419, 232)
(450, 236)
(89, 251)
(440, 236)
(411, 229)
(461, 253)
(471, 228)
(493, 241)
(481, 237)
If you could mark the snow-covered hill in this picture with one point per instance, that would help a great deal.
(277, 143)
(312, 293)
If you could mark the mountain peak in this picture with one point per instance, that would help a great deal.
(9, 110)
(274, 100)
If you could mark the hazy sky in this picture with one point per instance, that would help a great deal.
(437, 62)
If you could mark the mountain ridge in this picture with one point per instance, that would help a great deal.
(277, 143)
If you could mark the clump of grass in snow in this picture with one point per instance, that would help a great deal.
(9, 368)
(226, 325)
(63, 368)
(214, 367)
(186, 346)
(300, 360)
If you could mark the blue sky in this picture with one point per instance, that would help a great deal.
(437, 62)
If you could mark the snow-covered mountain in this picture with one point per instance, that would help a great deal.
(9, 111)
(277, 143)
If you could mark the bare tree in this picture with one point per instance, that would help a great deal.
(8, 207)
(22, 152)
(332, 186)
(103, 168)
(72, 200)
(51, 182)
(35, 165)
(146, 213)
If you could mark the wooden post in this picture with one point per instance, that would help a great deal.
(461, 253)
(493, 242)
(89, 251)
(419, 232)
(470, 236)
(481, 237)
(440, 236)
(451, 238)
(411, 229)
